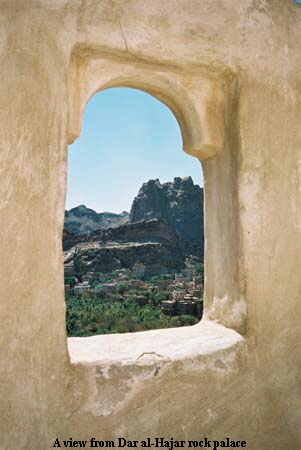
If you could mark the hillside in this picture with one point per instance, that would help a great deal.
(83, 220)
(163, 228)
(152, 243)
(180, 203)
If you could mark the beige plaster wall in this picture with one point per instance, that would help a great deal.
(237, 64)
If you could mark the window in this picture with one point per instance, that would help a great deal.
(133, 235)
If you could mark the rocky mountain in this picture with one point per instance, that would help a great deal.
(83, 220)
(164, 226)
(180, 203)
(152, 243)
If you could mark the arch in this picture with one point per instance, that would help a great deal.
(205, 106)
(198, 102)
(156, 92)
(118, 119)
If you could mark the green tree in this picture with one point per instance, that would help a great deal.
(160, 296)
(121, 288)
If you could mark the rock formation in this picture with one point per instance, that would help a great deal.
(82, 219)
(151, 242)
(180, 203)
(165, 226)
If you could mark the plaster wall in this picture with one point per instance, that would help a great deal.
(229, 70)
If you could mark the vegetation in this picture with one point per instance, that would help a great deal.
(79, 269)
(87, 316)
(71, 280)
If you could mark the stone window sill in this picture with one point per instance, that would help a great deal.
(147, 347)
(112, 369)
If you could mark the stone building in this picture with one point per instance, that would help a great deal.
(169, 307)
(186, 308)
(229, 70)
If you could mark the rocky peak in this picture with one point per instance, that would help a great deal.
(181, 183)
(84, 220)
(180, 203)
(80, 211)
(150, 202)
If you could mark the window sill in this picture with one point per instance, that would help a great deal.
(147, 347)
(113, 369)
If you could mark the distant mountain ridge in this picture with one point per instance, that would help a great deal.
(84, 220)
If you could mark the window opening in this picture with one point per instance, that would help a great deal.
(133, 234)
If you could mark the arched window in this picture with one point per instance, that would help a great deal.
(133, 236)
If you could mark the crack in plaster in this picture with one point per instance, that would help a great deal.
(151, 353)
(123, 37)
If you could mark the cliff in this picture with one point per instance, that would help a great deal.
(180, 203)
(151, 242)
(165, 226)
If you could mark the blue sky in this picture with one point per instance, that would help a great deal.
(127, 138)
